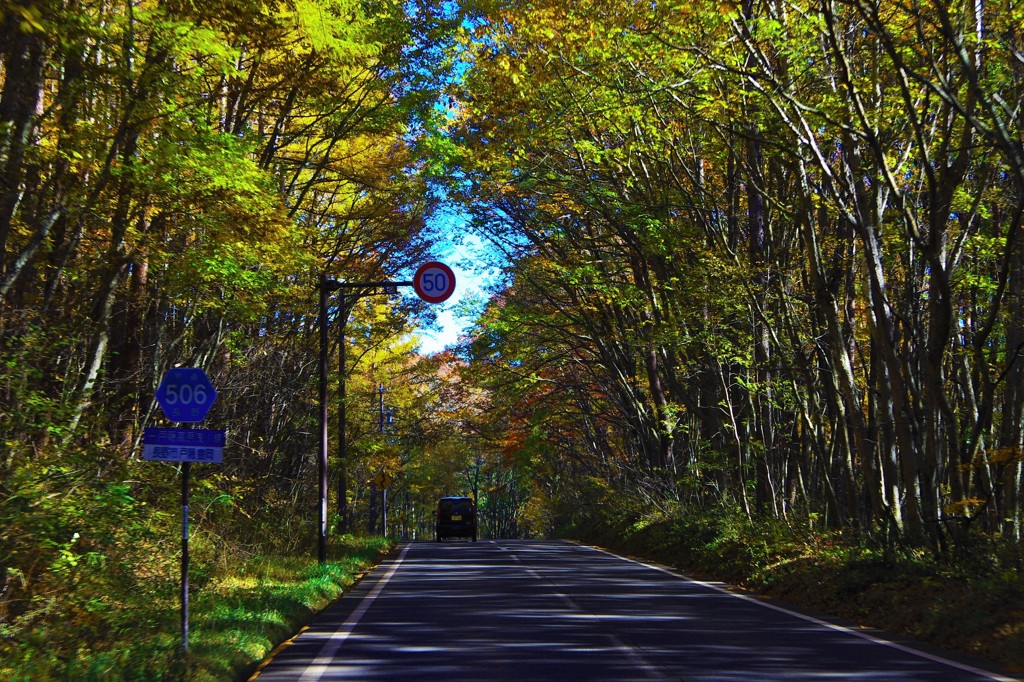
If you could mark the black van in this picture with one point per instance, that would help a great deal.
(456, 518)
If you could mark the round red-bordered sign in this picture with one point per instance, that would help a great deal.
(434, 282)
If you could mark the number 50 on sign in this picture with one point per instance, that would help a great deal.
(434, 282)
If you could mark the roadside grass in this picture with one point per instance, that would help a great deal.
(236, 619)
(969, 600)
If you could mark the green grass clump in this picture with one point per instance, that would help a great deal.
(236, 618)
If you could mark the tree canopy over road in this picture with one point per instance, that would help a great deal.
(763, 259)
(767, 255)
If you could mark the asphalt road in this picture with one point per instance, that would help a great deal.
(521, 610)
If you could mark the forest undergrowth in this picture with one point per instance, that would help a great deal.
(236, 621)
(90, 581)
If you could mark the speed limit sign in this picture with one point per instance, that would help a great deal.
(434, 282)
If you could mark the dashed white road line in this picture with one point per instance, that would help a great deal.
(632, 653)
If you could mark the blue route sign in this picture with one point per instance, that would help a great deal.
(183, 445)
(185, 394)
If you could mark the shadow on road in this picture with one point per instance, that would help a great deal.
(559, 611)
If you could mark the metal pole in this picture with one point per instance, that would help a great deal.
(384, 490)
(342, 441)
(343, 510)
(380, 426)
(186, 470)
(322, 460)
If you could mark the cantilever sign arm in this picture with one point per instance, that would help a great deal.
(434, 282)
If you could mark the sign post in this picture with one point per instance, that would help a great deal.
(185, 395)
(186, 473)
(434, 283)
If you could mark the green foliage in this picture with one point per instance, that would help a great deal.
(337, 27)
(236, 617)
(188, 173)
(85, 565)
(735, 229)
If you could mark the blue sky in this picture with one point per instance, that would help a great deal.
(475, 272)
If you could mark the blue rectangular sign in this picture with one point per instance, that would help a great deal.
(183, 445)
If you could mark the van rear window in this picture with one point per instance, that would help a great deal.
(464, 506)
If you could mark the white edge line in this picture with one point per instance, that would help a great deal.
(320, 664)
(817, 621)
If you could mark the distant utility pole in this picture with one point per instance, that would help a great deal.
(384, 420)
